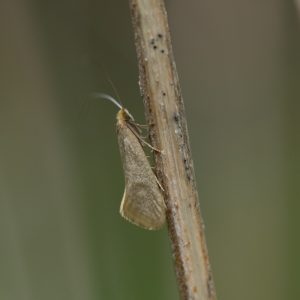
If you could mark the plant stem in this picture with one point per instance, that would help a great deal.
(165, 114)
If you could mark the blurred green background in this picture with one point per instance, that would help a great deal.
(61, 181)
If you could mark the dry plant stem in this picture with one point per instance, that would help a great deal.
(168, 131)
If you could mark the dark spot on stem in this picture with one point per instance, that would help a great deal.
(162, 51)
(176, 117)
(160, 35)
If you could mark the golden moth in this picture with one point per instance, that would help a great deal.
(142, 203)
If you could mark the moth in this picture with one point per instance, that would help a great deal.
(142, 203)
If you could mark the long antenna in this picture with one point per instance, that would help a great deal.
(114, 101)
(107, 97)
(114, 88)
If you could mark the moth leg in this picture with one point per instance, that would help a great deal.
(136, 133)
(142, 125)
(159, 184)
(147, 144)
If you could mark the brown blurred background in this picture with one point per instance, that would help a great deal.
(61, 182)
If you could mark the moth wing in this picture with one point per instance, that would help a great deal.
(142, 207)
(142, 203)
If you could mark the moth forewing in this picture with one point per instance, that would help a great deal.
(142, 202)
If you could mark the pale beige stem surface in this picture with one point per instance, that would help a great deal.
(168, 131)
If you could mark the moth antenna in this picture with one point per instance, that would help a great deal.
(107, 97)
(114, 88)
(113, 100)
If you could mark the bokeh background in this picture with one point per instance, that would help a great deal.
(61, 181)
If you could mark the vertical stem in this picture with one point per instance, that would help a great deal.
(168, 131)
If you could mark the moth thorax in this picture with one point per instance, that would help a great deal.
(123, 116)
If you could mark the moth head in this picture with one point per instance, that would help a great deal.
(123, 114)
